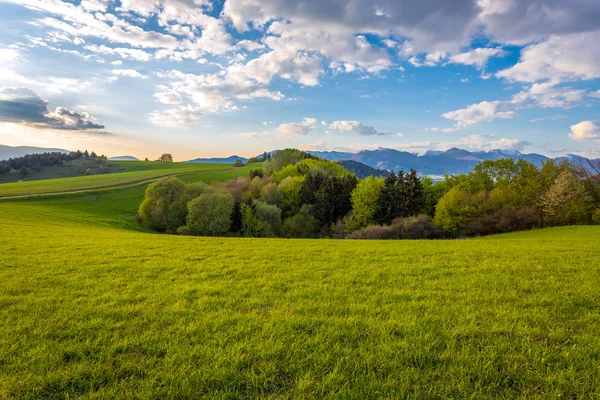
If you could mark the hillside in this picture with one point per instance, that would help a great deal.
(93, 305)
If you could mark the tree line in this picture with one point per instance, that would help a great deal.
(297, 195)
(35, 162)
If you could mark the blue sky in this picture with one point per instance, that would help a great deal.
(214, 78)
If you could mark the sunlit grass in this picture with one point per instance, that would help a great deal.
(93, 306)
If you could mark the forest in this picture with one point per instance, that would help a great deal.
(35, 162)
(297, 195)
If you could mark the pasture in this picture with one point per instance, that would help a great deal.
(94, 306)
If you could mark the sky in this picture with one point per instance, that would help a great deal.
(212, 78)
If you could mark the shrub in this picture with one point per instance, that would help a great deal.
(419, 227)
(88, 171)
(210, 214)
(507, 219)
(154, 210)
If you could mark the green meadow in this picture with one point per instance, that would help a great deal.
(136, 172)
(94, 306)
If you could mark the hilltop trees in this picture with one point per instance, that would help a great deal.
(166, 158)
(35, 162)
(301, 196)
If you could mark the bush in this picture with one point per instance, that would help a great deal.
(419, 227)
(210, 214)
(154, 210)
(507, 219)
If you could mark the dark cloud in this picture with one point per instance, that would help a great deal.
(23, 106)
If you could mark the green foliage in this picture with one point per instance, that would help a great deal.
(302, 225)
(154, 210)
(210, 214)
(455, 210)
(166, 158)
(401, 196)
(567, 202)
(290, 195)
(251, 226)
(270, 219)
(285, 157)
(178, 210)
(364, 203)
(272, 193)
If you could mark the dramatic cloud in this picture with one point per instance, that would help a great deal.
(355, 127)
(558, 59)
(22, 106)
(585, 130)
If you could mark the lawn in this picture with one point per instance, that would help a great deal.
(93, 306)
(137, 172)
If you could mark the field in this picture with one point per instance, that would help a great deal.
(136, 172)
(93, 306)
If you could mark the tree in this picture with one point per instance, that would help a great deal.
(364, 203)
(166, 158)
(301, 225)
(402, 196)
(251, 226)
(154, 210)
(567, 202)
(272, 194)
(210, 214)
(178, 210)
(455, 210)
(236, 218)
(88, 171)
(270, 217)
(238, 163)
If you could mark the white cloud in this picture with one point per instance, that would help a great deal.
(132, 73)
(356, 127)
(477, 57)
(295, 129)
(558, 59)
(484, 111)
(595, 94)
(492, 142)
(8, 55)
(585, 130)
(316, 146)
(176, 117)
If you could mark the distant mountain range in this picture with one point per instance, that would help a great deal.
(226, 160)
(7, 152)
(431, 162)
(124, 158)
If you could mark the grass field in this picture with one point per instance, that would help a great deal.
(93, 306)
(137, 172)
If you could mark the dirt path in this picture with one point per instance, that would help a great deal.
(99, 189)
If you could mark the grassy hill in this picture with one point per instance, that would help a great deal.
(94, 306)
